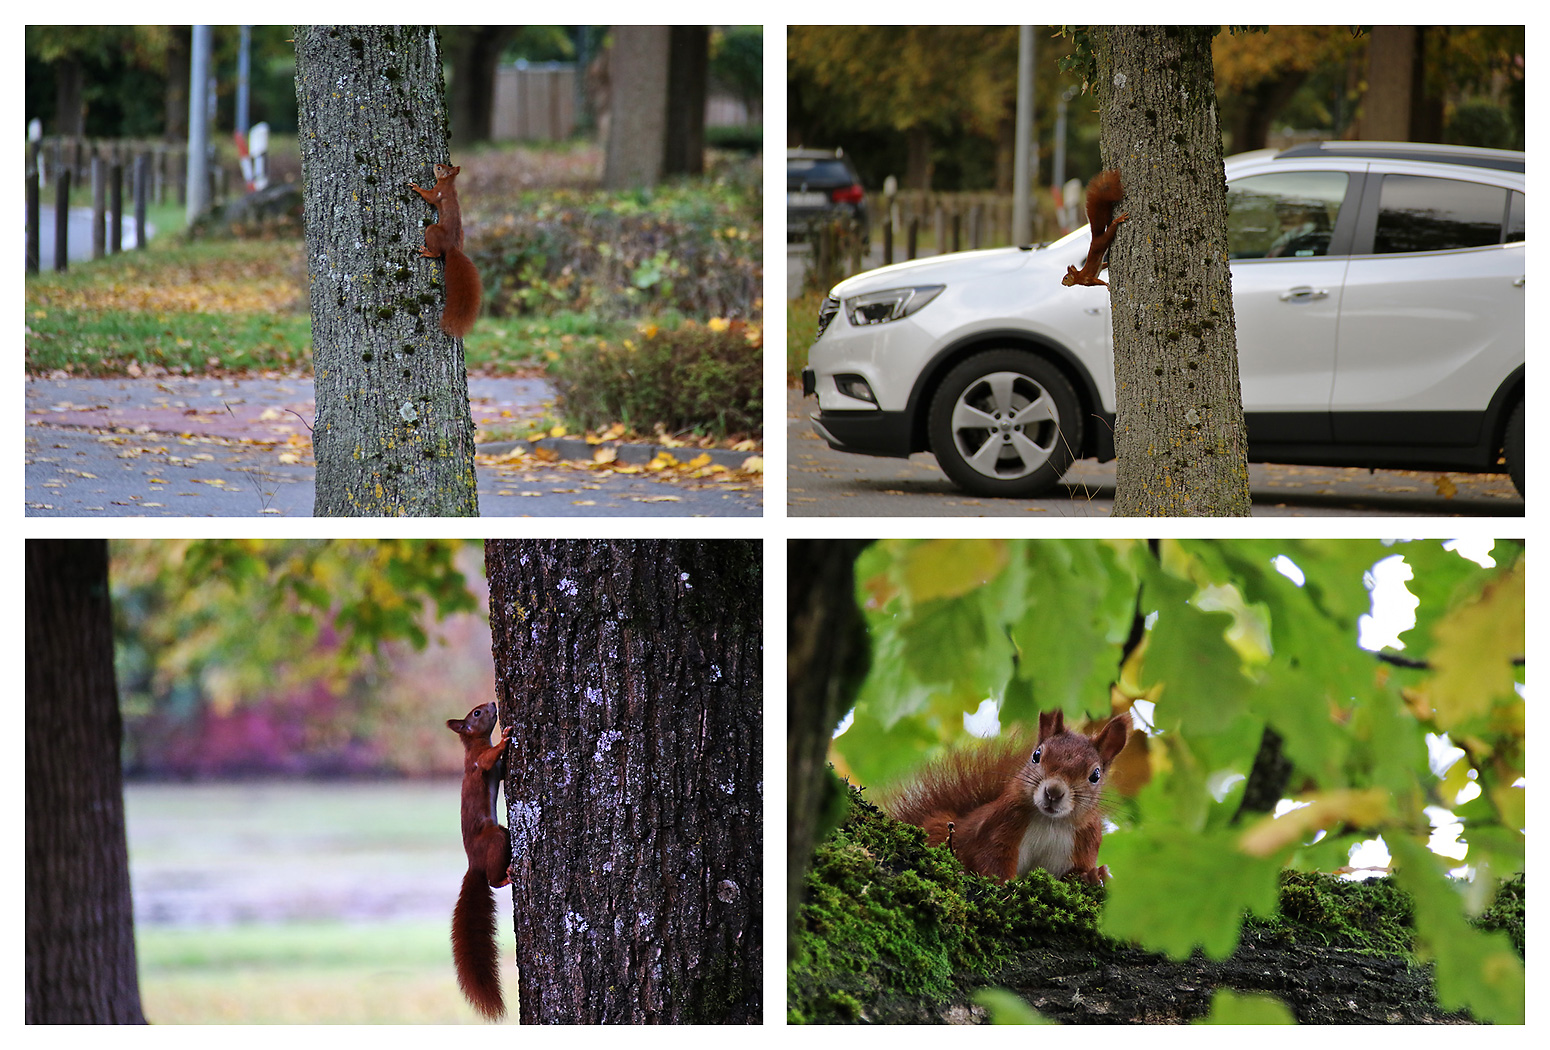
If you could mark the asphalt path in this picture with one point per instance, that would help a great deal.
(218, 447)
(821, 482)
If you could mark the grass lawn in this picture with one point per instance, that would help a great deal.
(388, 972)
(298, 903)
(228, 307)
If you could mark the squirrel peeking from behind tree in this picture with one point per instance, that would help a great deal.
(444, 240)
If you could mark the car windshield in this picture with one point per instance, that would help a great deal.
(817, 170)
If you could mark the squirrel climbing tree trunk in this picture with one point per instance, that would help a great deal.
(394, 435)
(630, 672)
(1179, 435)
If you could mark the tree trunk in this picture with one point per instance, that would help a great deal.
(688, 73)
(476, 55)
(1393, 70)
(1179, 436)
(175, 97)
(69, 96)
(631, 674)
(638, 92)
(828, 652)
(917, 162)
(80, 940)
(393, 434)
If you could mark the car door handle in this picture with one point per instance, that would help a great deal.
(1304, 294)
(1519, 282)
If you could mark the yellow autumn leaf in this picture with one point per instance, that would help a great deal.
(557, 431)
(718, 324)
(1325, 809)
(949, 568)
(1475, 644)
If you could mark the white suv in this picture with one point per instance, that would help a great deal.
(1378, 291)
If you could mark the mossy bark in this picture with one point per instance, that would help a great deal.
(895, 933)
(394, 435)
(1179, 436)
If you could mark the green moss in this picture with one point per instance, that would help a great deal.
(892, 929)
(1371, 916)
(886, 916)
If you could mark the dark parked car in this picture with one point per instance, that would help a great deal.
(821, 184)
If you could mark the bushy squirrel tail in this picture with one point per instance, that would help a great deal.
(473, 946)
(463, 294)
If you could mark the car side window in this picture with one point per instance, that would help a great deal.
(1424, 213)
(1515, 203)
(1288, 214)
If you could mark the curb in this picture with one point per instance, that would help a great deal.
(575, 448)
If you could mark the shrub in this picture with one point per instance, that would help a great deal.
(700, 378)
(693, 250)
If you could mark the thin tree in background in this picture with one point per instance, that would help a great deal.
(394, 435)
(631, 674)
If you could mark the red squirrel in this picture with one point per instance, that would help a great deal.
(1003, 810)
(444, 240)
(474, 950)
(1102, 192)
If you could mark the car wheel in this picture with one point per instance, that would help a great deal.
(1513, 447)
(1005, 423)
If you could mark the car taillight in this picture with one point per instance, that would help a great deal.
(847, 194)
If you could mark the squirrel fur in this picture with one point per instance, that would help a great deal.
(444, 240)
(1102, 192)
(1009, 805)
(474, 951)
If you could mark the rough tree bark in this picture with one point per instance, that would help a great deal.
(393, 435)
(631, 674)
(1179, 435)
(80, 943)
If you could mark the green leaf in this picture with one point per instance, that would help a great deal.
(1008, 1008)
(1475, 970)
(1173, 891)
(1230, 1007)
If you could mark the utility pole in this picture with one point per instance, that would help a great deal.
(1021, 227)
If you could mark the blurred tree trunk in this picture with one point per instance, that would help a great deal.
(175, 99)
(393, 435)
(638, 67)
(80, 943)
(1179, 436)
(631, 673)
(828, 652)
(475, 53)
(687, 77)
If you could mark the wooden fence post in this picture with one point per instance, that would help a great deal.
(62, 220)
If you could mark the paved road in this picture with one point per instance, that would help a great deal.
(200, 447)
(822, 482)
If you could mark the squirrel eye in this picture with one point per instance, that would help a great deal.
(1096, 775)
(1035, 758)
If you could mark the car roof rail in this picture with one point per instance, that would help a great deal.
(1468, 156)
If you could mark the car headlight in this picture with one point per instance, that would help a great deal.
(891, 305)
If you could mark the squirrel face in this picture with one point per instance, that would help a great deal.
(1063, 778)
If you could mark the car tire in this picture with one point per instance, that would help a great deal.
(1005, 423)
(1513, 445)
